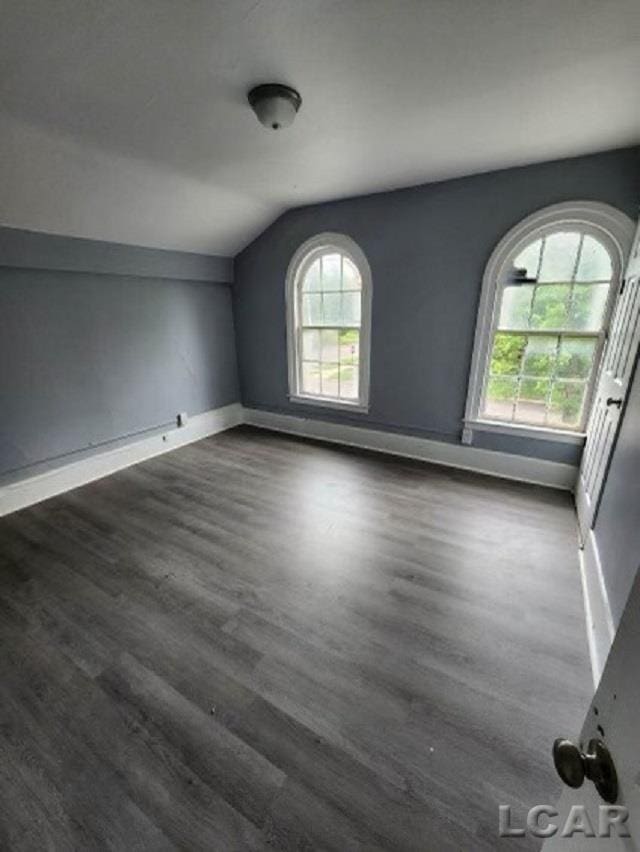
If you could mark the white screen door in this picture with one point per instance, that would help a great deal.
(615, 375)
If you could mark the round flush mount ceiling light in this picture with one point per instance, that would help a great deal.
(275, 105)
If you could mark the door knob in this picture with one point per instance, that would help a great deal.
(613, 401)
(596, 764)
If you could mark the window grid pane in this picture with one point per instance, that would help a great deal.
(349, 360)
(311, 279)
(331, 361)
(331, 265)
(595, 263)
(350, 275)
(539, 380)
(560, 253)
(539, 372)
(532, 394)
(330, 310)
(325, 317)
(311, 377)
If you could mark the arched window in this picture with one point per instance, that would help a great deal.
(328, 323)
(547, 297)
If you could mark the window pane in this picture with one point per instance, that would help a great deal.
(329, 379)
(328, 314)
(310, 377)
(540, 356)
(500, 397)
(311, 309)
(507, 354)
(311, 279)
(539, 368)
(532, 401)
(332, 314)
(529, 259)
(329, 344)
(559, 254)
(595, 263)
(331, 272)
(311, 344)
(550, 306)
(588, 306)
(349, 382)
(350, 276)
(567, 399)
(349, 342)
(350, 309)
(516, 306)
(576, 357)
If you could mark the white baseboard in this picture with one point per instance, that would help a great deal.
(505, 465)
(33, 489)
(600, 627)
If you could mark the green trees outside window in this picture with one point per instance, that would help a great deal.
(550, 320)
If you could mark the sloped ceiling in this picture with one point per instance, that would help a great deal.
(127, 120)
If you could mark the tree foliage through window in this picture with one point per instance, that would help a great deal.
(550, 321)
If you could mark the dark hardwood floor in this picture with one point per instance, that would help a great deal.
(259, 642)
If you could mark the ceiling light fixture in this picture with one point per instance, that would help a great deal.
(275, 105)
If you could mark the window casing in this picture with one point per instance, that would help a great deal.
(328, 323)
(547, 296)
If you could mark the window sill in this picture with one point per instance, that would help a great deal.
(340, 405)
(540, 432)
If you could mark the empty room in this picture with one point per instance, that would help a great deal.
(320, 425)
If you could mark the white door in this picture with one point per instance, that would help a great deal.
(615, 375)
(613, 718)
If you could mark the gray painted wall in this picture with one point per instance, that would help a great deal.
(88, 358)
(427, 247)
(35, 250)
(617, 528)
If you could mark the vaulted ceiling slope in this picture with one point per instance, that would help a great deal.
(126, 120)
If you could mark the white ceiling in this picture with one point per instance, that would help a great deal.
(127, 120)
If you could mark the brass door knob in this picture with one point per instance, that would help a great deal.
(596, 764)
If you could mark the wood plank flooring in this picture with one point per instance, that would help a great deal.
(257, 642)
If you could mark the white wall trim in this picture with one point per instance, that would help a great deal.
(504, 465)
(33, 489)
(556, 436)
(600, 626)
(325, 402)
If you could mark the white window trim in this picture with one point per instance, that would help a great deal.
(611, 226)
(304, 255)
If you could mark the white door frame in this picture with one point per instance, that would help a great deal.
(616, 370)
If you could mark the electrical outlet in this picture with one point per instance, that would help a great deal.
(182, 418)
